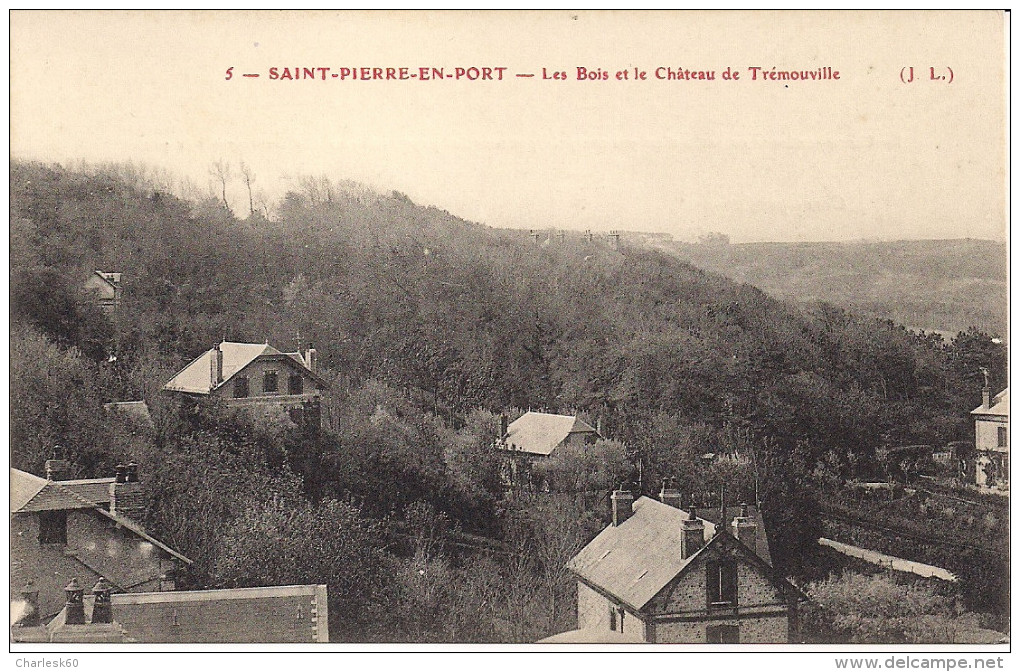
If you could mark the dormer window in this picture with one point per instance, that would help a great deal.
(270, 384)
(721, 583)
(240, 387)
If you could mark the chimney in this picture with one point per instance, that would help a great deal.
(598, 427)
(311, 358)
(215, 366)
(623, 506)
(56, 469)
(30, 596)
(102, 609)
(986, 389)
(504, 424)
(127, 494)
(669, 495)
(692, 535)
(745, 529)
(75, 605)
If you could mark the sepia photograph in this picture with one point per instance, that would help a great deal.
(682, 332)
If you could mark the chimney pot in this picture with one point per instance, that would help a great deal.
(102, 609)
(692, 535)
(311, 358)
(623, 506)
(120, 472)
(75, 605)
(30, 596)
(745, 529)
(669, 495)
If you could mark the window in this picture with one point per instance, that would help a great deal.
(722, 634)
(721, 582)
(296, 384)
(269, 382)
(240, 387)
(1003, 437)
(53, 527)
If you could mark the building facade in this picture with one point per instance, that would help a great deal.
(991, 439)
(258, 378)
(104, 289)
(536, 436)
(59, 534)
(659, 574)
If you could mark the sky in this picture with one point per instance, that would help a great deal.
(865, 156)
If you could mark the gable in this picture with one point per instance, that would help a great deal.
(196, 378)
(104, 287)
(687, 593)
(283, 365)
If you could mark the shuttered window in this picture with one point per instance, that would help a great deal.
(721, 583)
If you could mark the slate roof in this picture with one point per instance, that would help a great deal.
(540, 433)
(195, 379)
(635, 560)
(93, 489)
(30, 493)
(999, 405)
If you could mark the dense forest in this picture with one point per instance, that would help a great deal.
(428, 327)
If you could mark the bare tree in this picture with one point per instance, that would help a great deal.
(221, 172)
(249, 177)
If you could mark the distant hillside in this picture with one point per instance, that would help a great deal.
(941, 285)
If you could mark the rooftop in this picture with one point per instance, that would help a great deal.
(636, 559)
(195, 377)
(999, 405)
(540, 433)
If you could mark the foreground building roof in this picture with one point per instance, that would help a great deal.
(635, 560)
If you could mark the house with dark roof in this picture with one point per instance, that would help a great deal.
(535, 436)
(262, 615)
(991, 438)
(659, 574)
(256, 377)
(104, 288)
(61, 530)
